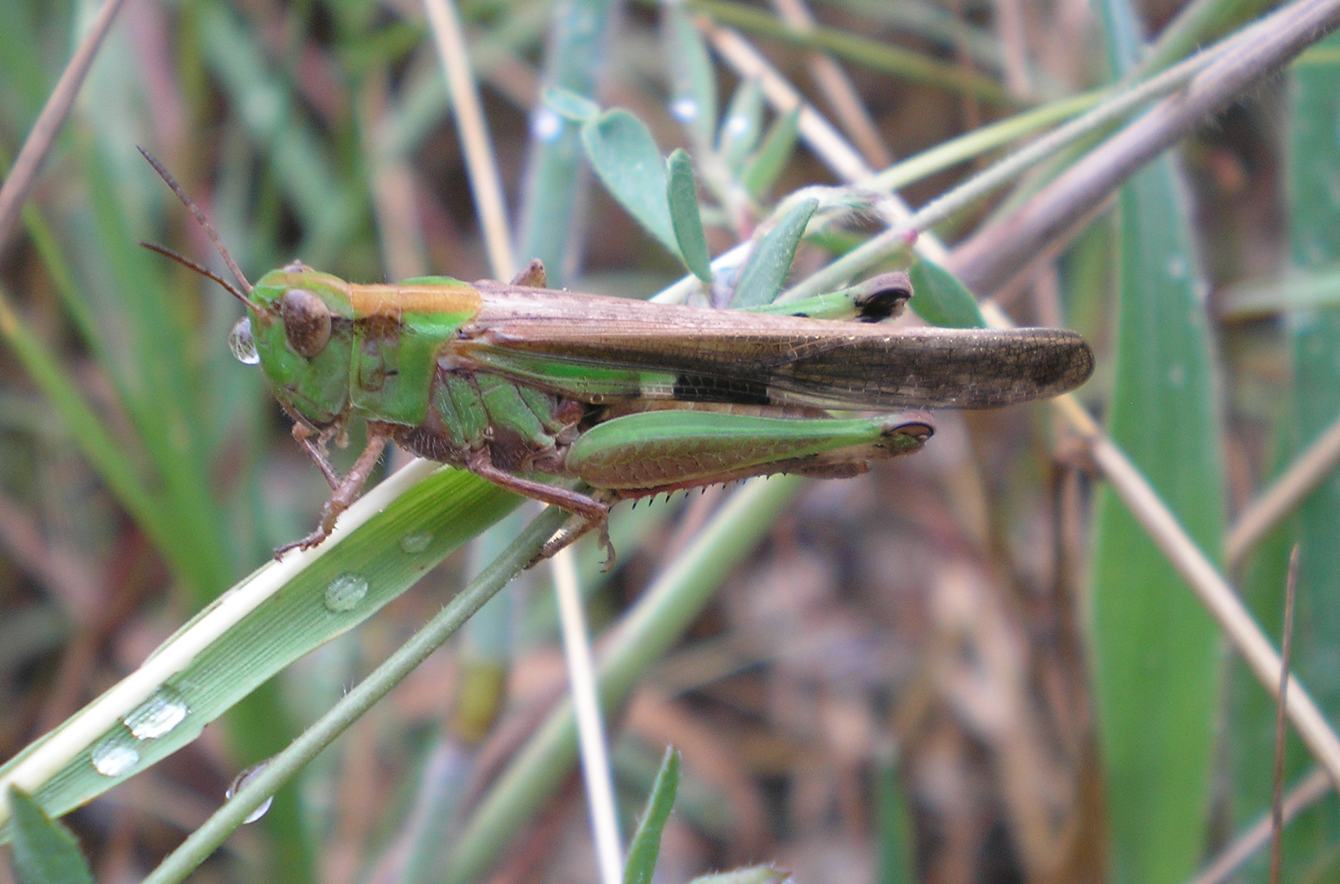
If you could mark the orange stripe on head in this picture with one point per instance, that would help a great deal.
(395, 300)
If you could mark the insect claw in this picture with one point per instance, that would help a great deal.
(610, 555)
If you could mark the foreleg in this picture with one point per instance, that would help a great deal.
(346, 490)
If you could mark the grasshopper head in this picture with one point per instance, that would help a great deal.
(300, 329)
(298, 324)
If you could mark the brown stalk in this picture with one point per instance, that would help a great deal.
(14, 192)
(992, 256)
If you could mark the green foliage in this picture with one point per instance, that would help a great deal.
(693, 80)
(569, 105)
(682, 195)
(767, 163)
(140, 463)
(640, 865)
(741, 124)
(45, 852)
(624, 155)
(941, 299)
(764, 273)
(1156, 651)
(1313, 335)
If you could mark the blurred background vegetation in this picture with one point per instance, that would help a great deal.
(968, 665)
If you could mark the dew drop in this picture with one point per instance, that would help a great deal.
(242, 343)
(546, 125)
(345, 592)
(112, 757)
(684, 109)
(241, 780)
(417, 542)
(736, 126)
(157, 716)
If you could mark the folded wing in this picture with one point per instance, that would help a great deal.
(602, 349)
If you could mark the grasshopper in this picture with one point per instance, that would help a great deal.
(519, 383)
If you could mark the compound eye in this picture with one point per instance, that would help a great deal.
(306, 321)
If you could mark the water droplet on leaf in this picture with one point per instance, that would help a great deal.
(241, 780)
(112, 757)
(546, 125)
(345, 592)
(684, 109)
(417, 542)
(157, 716)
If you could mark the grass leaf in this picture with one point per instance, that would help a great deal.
(941, 299)
(629, 164)
(765, 272)
(44, 850)
(646, 844)
(569, 105)
(766, 163)
(693, 79)
(741, 124)
(263, 624)
(682, 195)
(1156, 651)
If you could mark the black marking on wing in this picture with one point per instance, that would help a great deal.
(692, 387)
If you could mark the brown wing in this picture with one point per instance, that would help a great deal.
(634, 349)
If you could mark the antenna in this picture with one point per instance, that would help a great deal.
(203, 220)
(209, 274)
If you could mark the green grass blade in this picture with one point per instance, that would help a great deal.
(766, 163)
(941, 299)
(44, 850)
(646, 844)
(693, 79)
(682, 196)
(629, 164)
(765, 272)
(267, 621)
(1155, 649)
(894, 838)
(1314, 339)
(554, 177)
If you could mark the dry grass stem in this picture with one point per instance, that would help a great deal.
(1306, 472)
(1286, 655)
(485, 182)
(992, 254)
(995, 254)
(14, 191)
(834, 83)
(1314, 787)
(1219, 599)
